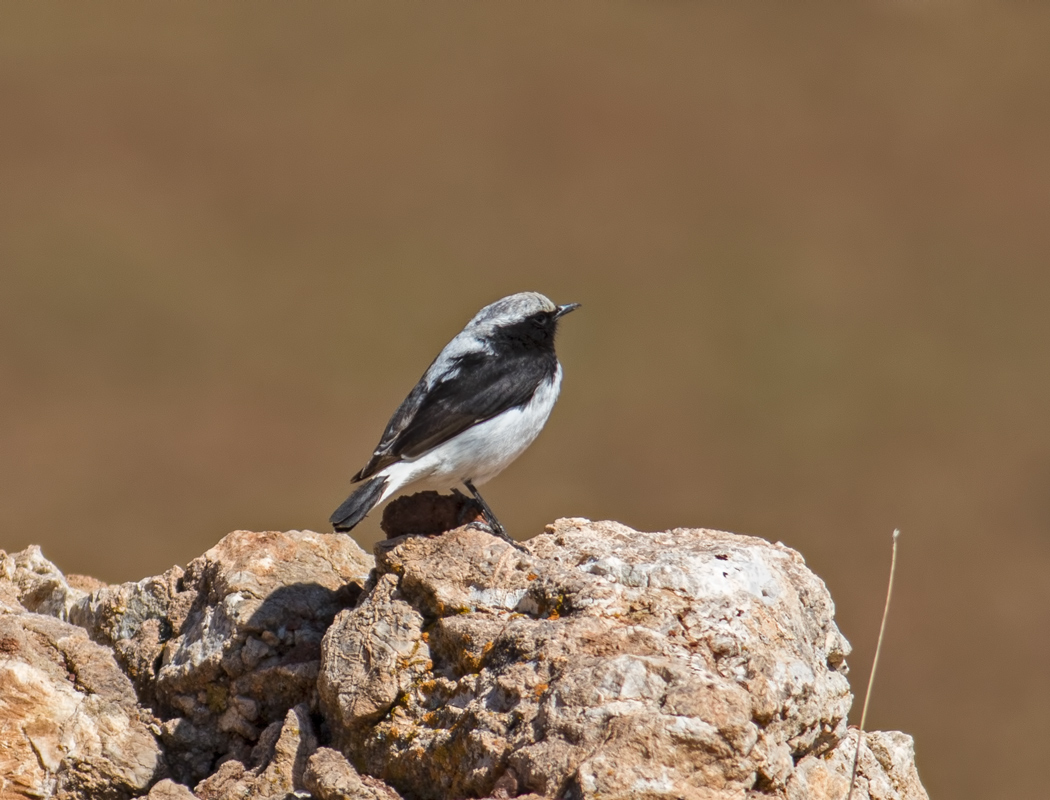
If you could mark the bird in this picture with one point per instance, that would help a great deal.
(478, 406)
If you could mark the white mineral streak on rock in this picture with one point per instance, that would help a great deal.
(69, 724)
(29, 582)
(496, 598)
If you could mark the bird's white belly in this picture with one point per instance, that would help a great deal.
(481, 452)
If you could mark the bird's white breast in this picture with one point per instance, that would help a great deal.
(482, 451)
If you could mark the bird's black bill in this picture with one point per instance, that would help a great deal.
(565, 309)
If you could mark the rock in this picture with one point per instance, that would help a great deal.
(136, 620)
(167, 789)
(249, 647)
(329, 776)
(603, 663)
(227, 647)
(84, 583)
(29, 582)
(69, 724)
(607, 663)
(886, 770)
(428, 513)
(280, 760)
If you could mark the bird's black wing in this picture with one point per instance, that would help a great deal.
(483, 386)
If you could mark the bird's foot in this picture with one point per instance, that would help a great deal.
(491, 522)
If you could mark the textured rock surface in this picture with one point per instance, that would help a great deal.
(886, 770)
(428, 513)
(136, 620)
(610, 663)
(69, 723)
(279, 763)
(29, 582)
(226, 648)
(603, 663)
(329, 776)
(167, 789)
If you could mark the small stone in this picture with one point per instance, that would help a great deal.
(270, 638)
(167, 789)
(428, 513)
(329, 776)
(246, 707)
(254, 651)
(232, 722)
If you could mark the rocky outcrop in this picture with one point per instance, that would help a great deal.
(602, 662)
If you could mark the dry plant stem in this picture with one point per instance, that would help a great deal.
(874, 665)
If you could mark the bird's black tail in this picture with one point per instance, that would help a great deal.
(356, 507)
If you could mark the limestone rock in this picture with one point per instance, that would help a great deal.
(69, 724)
(249, 647)
(167, 789)
(225, 648)
(30, 582)
(280, 759)
(603, 663)
(329, 776)
(886, 770)
(607, 663)
(136, 620)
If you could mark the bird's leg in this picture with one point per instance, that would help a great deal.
(490, 518)
(466, 507)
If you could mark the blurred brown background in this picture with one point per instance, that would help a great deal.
(811, 243)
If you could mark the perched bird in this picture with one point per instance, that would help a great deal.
(483, 400)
